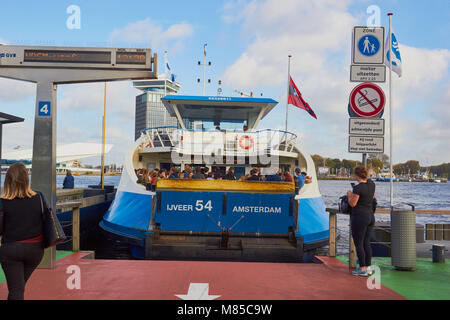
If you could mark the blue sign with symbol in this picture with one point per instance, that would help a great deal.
(368, 45)
(44, 109)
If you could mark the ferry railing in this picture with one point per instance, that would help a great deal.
(227, 141)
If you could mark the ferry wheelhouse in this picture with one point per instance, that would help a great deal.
(218, 219)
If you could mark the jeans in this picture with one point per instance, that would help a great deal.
(362, 225)
(18, 261)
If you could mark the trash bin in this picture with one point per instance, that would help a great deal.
(403, 238)
(438, 253)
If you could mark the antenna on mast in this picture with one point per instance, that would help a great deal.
(204, 65)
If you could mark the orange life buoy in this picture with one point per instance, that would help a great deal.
(246, 146)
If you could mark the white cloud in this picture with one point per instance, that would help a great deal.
(318, 35)
(120, 98)
(147, 32)
(13, 90)
(18, 134)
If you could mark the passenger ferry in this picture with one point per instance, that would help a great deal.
(218, 219)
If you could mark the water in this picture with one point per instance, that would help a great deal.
(424, 195)
(83, 181)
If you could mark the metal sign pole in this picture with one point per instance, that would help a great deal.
(43, 174)
(391, 174)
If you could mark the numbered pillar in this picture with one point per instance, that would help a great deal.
(43, 174)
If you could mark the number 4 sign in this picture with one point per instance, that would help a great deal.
(44, 109)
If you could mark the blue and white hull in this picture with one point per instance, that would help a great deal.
(237, 225)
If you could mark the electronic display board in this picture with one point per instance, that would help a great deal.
(77, 57)
(131, 57)
(67, 56)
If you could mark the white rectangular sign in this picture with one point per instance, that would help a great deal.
(368, 45)
(367, 73)
(365, 144)
(364, 126)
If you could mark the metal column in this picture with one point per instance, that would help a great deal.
(43, 174)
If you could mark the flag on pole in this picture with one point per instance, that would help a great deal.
(396, 58)
(295, 98)
(168, 72)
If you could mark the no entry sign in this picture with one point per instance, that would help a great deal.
(367, 100)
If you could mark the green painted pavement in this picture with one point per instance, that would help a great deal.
(59, 255)
(428, 281)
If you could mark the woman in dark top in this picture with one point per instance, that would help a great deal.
(22, 240)
(362, 219)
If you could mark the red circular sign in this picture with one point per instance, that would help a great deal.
(367, 100)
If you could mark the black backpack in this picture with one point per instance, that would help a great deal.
(344, 207)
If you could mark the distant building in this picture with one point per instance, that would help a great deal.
(67, 156)
(323, 171)
(150, 112)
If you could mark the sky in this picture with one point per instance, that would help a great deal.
(247, 43)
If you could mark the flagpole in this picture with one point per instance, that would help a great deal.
(165, 63)
(165, 85)
(287, 97)
(391, 180)
(204, 61)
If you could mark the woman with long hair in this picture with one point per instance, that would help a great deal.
(362, 219)
(22, 240)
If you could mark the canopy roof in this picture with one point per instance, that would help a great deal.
(218, 108)
(7, 118)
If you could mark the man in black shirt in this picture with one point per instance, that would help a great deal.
(253, 175)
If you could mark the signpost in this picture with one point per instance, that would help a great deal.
(367, 100)
(362, 126)
(49, 67)
(368, 45)
(367, 73)
(365, 144)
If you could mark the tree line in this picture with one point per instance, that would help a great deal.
(378, 162)
(413, 167)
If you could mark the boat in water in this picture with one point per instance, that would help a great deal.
(385, 176)
(237, 220)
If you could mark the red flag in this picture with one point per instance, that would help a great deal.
(295, 98)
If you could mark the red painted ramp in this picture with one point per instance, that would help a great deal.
(131, 279)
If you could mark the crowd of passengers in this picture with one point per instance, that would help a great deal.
(149, 178)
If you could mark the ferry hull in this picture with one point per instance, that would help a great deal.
(291, 231)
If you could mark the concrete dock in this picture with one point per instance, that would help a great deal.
(135, 279)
